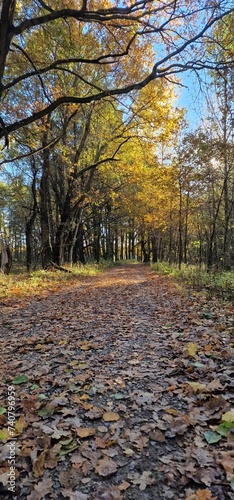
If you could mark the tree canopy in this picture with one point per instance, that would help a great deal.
(131, 44)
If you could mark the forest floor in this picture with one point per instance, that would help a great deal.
(122, 388)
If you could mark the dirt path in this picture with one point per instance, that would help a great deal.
(125, 374)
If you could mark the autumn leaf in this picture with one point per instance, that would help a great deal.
(192, 349)
(43, 488)
(110, 416)
(74, 362)
(86, 347)
(38, 464)
(172, 411)
(84, 432)
(201, 495)
(228, 416)
(123, 486)
(94, 413)
(21, 424)
(106, 467)
(143, 480)
(157, 435)
(4, 434)
(226, 459)
(84, 397)
(129, 452)
(197, 387)
(67, 447)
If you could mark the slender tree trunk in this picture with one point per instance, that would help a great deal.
(186, 228)
(121, 245)
(180, 231)
(30, 222)
(154, 248)
(44, 208)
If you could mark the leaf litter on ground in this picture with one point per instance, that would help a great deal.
(124, 390)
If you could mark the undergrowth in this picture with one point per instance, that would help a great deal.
(21, 284)
(219, 284)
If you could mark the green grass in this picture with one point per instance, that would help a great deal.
(219, 284)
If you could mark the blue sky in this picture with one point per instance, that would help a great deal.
(191, 99)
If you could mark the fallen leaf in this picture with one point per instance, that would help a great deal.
(20, 379)
(197, 387)
(212, 437)
(6, 434)
(94, 413)
(226, 459)
(46, 411)
(110, 416)
(21, 424)
(84, 432)
(143, 480)
(70, 478)
(38, 464)
(228, 416)
(123, 486)
(192, 349)
(201, 495)
(74, 495)
(44, 487)
(106, 467)
(157, 435)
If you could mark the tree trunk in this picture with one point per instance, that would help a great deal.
(30, 222)
(46, 253)
(154, 248)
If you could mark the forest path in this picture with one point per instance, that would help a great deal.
(124, 371)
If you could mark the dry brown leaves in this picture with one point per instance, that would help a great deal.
(124, 390)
